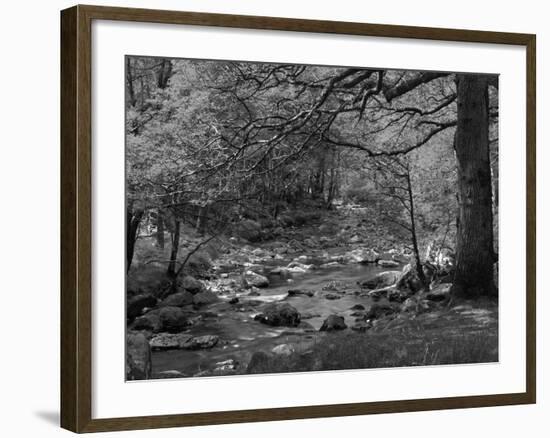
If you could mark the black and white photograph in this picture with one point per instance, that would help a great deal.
(285, 218)
(280, 219)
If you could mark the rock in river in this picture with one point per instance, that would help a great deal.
(192, 285)
(137, 304)
(283, 350)
(170, 341)
(225, 366)
(296, 292)
(388, 263)
(251, 279)
(378, 310)
(173, 319)
(178, 299)
(398, 295)
(138, 357)
(362, 256)
(383, 279)
(441, 292)
(204, 298)
(150, 321)
(279, 314)
(296, 266)
(332, 323)
(201, 342)
(330, 296)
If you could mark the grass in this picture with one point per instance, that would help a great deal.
(341, 351)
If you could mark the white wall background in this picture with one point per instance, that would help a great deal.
(29, 189)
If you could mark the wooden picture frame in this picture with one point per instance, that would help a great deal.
(76, 218)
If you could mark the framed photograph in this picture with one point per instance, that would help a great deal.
(270, 218)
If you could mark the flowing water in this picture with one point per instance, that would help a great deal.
(240, 335)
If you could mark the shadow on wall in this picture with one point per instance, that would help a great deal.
(51, 417)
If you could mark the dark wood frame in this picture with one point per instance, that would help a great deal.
(76, 225)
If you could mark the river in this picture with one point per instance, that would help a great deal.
(240, 335)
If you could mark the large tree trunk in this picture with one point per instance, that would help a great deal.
(200, 224)
(174, 251)
(417, 261)
(475, 253)
(160, 229)
(164, 73)
(130, 80)
(133, 220)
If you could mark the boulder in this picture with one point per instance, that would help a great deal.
(150, 322)
(192, 285)
(441, 292)
(204, 298)
(400, 258)
(169, 341)
(302, 266)
(249, 230)
(398, 295)
(379, 310)
(283, 350)
(296, 270)
(279, 270)
(225, 366)
(409, 279)
(138, 357)
(201, 342)
(254, 267)
(306, 326)
(259, 252)
(252, 279)
(312, 242)
(383, 279)
(388, 263)
(177, 300)
(356, 239)
(376, 294)
(296, 292)
(335, 286)
(362, 256)
(358, 307)
(279, 314)
(333, 323)
(280, 250)
(330, 296)
(173, 319)
(137, 304)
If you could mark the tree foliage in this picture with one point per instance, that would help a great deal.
(213, 142)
